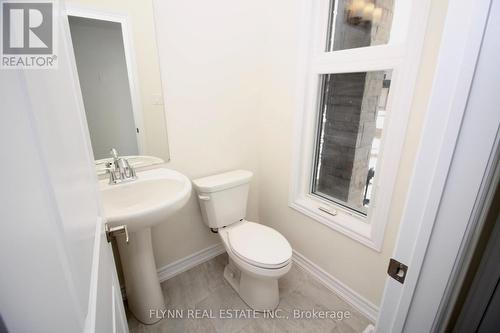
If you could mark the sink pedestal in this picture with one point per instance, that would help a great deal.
(155, 195)
(144, 295)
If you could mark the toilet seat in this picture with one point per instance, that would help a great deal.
(259, 245)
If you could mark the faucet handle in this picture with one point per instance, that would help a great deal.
(114, 153)
(128, 169)
(114, 174)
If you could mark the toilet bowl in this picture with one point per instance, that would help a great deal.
(258, 255)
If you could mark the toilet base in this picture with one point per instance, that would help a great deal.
(259, 293)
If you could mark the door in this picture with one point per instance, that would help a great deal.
(477, 310)
(453, 168)
(57, 270)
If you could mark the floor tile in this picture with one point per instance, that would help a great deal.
(225, 304)
(204, 289)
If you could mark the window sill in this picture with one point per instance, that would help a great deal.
(351, 225)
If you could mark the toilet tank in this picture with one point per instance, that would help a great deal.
(223, 197)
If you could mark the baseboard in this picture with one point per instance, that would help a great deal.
(367, 308)
(168, 271)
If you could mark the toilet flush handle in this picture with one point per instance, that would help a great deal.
(203, 197)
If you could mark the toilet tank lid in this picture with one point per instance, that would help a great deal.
(222, 181)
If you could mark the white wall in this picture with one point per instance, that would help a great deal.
(210, 56)
(229, 71)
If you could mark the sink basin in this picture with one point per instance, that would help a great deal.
(140, 204)
(146, 201)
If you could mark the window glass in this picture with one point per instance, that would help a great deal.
(358, 23)
(352, 111)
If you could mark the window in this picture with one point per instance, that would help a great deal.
(358, 23)
(359, 75)
(351, 116)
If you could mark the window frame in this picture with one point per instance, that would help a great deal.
(401, 55)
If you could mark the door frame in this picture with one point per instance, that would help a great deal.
(128, 46)
(459, 51)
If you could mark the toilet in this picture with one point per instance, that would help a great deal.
(258, 255)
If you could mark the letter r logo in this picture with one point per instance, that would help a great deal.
(27, 28)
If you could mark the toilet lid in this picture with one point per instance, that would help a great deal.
(259, 245)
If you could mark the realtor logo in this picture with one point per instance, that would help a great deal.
(28, 34)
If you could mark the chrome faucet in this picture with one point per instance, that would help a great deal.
(119, 170)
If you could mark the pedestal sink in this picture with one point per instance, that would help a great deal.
(141, 204)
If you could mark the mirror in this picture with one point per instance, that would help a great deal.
(116, 55)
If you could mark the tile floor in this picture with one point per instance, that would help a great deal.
(204, 288)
